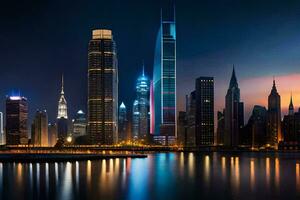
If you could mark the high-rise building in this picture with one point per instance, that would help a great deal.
(102, 88)
(274, 118)
(16, 120)
(234, 113)
(123, 123)
(291, 125)
(135, 120)
(39, 130)
(220, 127)
(182, 128)
(142, 91)
(79, 124)
(2, 136)
(52, 132)
(254, 133)
(164, 80)
(62, 114)
(204, 111)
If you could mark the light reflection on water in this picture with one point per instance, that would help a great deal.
(160, 176)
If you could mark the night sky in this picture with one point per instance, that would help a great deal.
(40, 40)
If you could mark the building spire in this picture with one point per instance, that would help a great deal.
(291, 106)
(274, 89)
(233, 80)
(143, 68)
(62, 84)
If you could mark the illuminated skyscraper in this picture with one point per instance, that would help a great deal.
(135, 119)
(164, 79)
(102, 88)
(274, 118)
(122, 136)
(2, 136)
(52, 132)
(39, 135)
(234, 113)
(62, 103)
(142, 91)
(62, 114)
(204, 111)
(16, 120)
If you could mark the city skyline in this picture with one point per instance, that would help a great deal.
(216, 62)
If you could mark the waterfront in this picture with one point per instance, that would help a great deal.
(159, 176)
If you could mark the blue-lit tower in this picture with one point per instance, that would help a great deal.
(164, 80)
(142, 91)
(135, 119)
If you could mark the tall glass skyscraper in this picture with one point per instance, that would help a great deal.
(102, 88)
(135, 119)
(39, 136)
(122, 136)
(164, 78)
(16, 120)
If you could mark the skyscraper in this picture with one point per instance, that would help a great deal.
(52, 132)
(274, 118)
(135, 120)
(102, 88)
(122, 136)
(234, 113)
(62, 114)
(142, 93)
(16, 120)
(164, 79)
(220, 128)
(204, 111)
(39, 132)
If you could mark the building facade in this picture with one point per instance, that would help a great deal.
(164, 80)
(52, 132)
(123, 123)
(102, 88)
(274, 118)
(79, 124)
(39, 129)
(204, 111)
(234, 113)
(16, 120)
(2, 135)
(220, 127)
(135, 120)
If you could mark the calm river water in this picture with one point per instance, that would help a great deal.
(160, 176)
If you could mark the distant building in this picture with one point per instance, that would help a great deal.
(164, 81)
(291, 126)
(255, 132)
(274, 118)
(220, 128)
(102, 88)
(2, 136)
(135, 119)
(39, 129)
(16, 120)
(79, 124)
(123, 123)
(204, 111)
(62, 114)
(182, 128)
(52, 132)
(234, 113)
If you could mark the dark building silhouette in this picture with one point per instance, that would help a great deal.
(291, 126)
(52, 132)
(102, 88)
(220, 128)
(16, 120)
(234, 113)
(182, 128)
(204, 111)
(255, 132)
(274, 118)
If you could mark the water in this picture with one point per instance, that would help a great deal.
(160, 176)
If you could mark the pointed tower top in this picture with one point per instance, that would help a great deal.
(122, 105)
(274, 89)
(233, 80)
(62, 84)
(291, 106)
(143, 68)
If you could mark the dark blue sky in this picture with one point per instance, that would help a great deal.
(40, 40)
